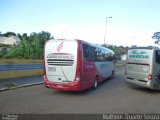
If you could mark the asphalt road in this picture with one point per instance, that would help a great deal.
(19, 82)
(112, 96)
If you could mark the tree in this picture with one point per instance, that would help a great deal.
(7, 34)
(31, 47)
(156, 36)
(44, 36)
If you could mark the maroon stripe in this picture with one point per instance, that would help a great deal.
(138, 63)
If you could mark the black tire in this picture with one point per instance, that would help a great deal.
(95, 84)
(113, 74)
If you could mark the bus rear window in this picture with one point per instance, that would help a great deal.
(158, 56)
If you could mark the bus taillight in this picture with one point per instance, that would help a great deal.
(149, 76)
(45, 78)
(77, 78)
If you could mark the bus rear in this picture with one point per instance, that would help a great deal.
(60, 60)
(139, 66)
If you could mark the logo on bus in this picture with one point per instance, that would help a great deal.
(62, 56)
(60, 59)
(138, 54)
(60, 46)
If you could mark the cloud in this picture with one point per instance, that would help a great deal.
(94, 33)
(90, 33)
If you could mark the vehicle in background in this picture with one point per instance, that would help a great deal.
(75, 65)
(143, 67)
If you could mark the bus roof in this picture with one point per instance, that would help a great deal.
(94, 45)
(148, 47)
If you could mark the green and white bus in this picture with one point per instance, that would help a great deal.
(143, 67)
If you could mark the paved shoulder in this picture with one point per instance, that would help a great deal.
(20, 82)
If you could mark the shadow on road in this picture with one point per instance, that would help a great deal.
(146, 90)
(104, 85)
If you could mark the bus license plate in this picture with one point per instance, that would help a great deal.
(59, 86)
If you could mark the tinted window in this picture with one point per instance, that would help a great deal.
(94, 54)
(86, 52)
(158, 56)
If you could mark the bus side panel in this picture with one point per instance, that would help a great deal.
(105, 69)
(79, 70)
(92, 69)
(156, 72)
(88, 74)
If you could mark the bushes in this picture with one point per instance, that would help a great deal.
(7, 56)
(31, 47)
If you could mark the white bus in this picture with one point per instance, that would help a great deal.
(75, 65)
(143, 67)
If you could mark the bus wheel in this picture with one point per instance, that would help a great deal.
(95, 83)
(112, 76)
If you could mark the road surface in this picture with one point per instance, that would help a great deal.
(112, 96)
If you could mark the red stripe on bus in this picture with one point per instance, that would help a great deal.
(138, 63)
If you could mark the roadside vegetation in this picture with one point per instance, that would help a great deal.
(31, 50)
(20, 73)
(31, 46)
(20, 61)
(119, 50)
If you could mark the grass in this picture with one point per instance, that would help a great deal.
(20, 73)
(20, 61)
(121, 63)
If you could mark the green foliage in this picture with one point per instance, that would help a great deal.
(7, 56)
(156, 37)
(7, 34)
(31, 47)
(119, 50)
(2, 54)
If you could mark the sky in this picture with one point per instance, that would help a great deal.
(133, 22)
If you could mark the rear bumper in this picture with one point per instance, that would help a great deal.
(63, 87)
(139, 83)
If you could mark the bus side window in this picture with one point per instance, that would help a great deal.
(158, 56)
(97, 52)
(111, 57)
(95, 56)
(92, 54)
(86, 52)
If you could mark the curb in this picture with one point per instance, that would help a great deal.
(20, 86)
